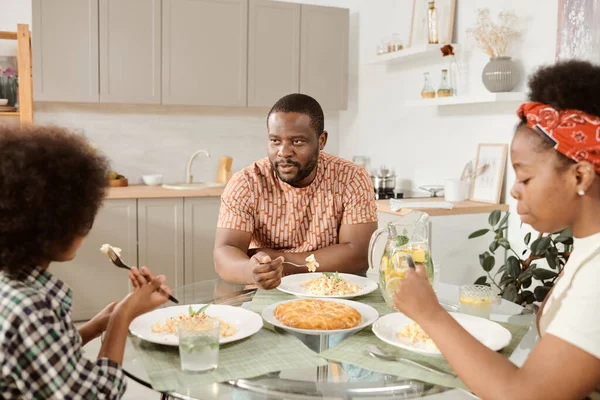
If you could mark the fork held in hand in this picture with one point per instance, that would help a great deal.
(291, 263)
(119, 263)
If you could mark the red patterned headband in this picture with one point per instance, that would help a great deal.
(574, 133)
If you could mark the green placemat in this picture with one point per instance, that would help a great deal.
(352, 351)
(261, 353)
(264, 298)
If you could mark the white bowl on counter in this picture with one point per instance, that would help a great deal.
(152, 180)
(3, 102)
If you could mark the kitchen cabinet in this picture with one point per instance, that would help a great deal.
(161, 236)
(234, 53)
(324, 55)
(204, 46)
(95, 281)
(456, 255)
(200, 221)
(273, 51)
(65, 50)
(130, 51)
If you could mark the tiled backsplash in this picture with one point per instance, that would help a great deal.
(142, 139)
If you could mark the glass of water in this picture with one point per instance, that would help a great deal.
(476, 300)
(199, 345)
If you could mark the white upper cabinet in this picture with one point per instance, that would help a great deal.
(65, 50)
(273, 51)
(324, 55)
(205, 52)
(130, 51)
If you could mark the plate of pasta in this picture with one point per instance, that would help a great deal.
(327, 284)
(160, 326)
(400, 331)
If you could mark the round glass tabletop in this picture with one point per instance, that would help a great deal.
(335, 380)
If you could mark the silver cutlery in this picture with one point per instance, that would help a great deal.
(119, 263)
(377, 352)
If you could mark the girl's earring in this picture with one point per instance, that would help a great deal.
(580, 192)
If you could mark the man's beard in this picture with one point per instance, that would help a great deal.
(302, 172)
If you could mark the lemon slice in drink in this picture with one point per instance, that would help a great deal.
(390, 286)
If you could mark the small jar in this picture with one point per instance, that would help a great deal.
(445, 90)
(428, 91)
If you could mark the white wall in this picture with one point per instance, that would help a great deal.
(143, 139)
(429, 145)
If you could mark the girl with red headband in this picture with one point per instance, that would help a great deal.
(556, 157)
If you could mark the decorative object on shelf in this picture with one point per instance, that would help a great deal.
(578, 30)
(454, 69)
(419, 32)
(397, 42)
(382, 48)
(8, 80)
(501, 73)
(519, 271)
(487, 181)
(444, 90)
(432, 24)
(428, 91)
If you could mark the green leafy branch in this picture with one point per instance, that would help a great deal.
(519, 270)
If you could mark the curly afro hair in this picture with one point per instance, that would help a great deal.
(568, 85)
(573, 85)
(51, 186)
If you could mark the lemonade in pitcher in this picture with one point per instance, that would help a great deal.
(408, 235)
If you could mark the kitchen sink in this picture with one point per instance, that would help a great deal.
(193, 186)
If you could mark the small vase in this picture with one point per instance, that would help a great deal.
(500, 75)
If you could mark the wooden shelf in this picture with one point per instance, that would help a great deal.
(8, 35)
(475, 99)
(460, 208)
(9, 113)
(410, 54)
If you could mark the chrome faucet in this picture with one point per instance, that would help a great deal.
(189, 178)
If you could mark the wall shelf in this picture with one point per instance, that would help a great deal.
(475, 99)
(410, 54)
(10, 114)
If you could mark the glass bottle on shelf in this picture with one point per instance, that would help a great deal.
(397, 42)
(444, 90)
(428, 91)
(432, 24)
(454, 69)
(382, 48)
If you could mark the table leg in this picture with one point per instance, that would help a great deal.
(322, 372)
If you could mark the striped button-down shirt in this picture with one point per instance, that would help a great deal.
(41, 356)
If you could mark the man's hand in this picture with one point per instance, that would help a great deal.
(266, 273)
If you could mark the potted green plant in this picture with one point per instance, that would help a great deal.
(518, 273)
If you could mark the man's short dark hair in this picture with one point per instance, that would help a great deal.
(303, 104)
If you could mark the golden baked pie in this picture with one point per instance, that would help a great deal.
(317, 315)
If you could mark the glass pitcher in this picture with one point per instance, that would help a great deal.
(407, 235)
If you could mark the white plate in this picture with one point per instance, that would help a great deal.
(246, 322)
(491, 334)
(292, 284)
(368, 314)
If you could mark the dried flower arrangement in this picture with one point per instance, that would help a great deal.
(493, 38)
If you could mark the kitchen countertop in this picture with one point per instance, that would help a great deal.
(155, 192)
(460, 208)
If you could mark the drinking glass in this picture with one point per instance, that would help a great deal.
(476, 300)
(199, 345)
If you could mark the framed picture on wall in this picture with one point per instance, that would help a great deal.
(445, 19)
(490, 167)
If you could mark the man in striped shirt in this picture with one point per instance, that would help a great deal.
(297, 201)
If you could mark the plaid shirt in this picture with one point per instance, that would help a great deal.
(40, 355)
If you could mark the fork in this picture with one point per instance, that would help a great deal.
(377, 352)
(291, 263)
(119, 263)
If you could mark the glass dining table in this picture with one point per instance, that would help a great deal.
(333, 381)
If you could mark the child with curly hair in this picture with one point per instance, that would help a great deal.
(51, 187)
(556, 157)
